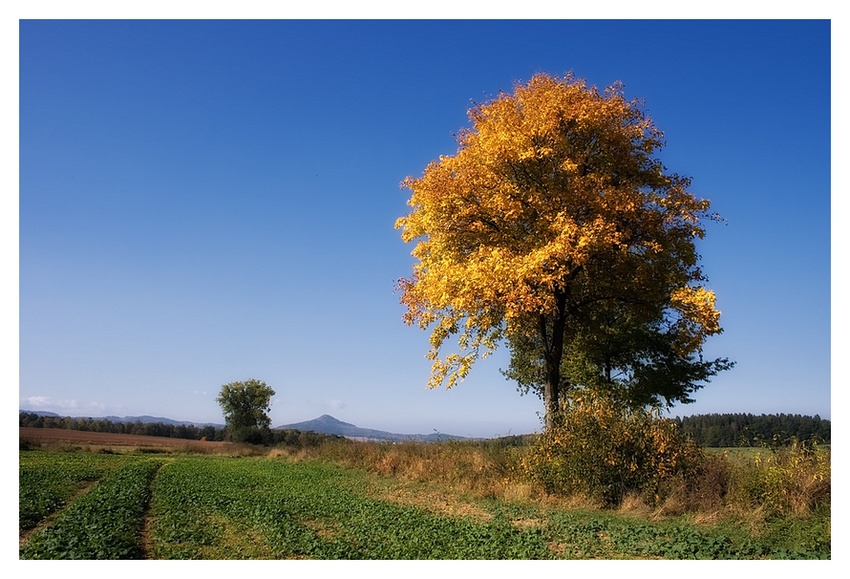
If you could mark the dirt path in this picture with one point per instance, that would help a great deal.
(146, 532)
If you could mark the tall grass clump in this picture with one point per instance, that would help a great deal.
(464, 466)
(603, 452)
(484, 468)
(788, 480)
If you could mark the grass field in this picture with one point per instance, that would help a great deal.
(144, 503)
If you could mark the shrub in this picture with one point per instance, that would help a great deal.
(788, 480)
(602, 451)
(708, 485)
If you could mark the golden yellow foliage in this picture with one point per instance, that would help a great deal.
(553, 201)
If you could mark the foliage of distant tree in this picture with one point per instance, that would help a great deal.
(246, 406)
(556, 229)
(730, 430)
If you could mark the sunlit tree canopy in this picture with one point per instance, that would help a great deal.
(554, 206)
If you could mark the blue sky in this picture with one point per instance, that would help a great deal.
(208, 201)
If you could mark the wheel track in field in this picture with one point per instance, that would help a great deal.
(24, 535)
(145, 539)
(146, 531)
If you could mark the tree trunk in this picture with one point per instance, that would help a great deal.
(552, 356)
(551, 397)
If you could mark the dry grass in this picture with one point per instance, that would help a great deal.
(435, 502)
(459, 468)
(724, 487)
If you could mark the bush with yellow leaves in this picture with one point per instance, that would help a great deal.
(603, 451)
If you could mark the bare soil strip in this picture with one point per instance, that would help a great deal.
(60, 435)
(146, 532)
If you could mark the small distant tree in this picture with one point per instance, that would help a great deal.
(245, 406)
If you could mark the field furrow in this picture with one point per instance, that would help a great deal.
(104, 523)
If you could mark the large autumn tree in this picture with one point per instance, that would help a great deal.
(554, 218)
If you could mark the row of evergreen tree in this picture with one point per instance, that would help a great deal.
(732, 430)
(183, 431)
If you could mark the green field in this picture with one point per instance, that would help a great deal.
(85, 505)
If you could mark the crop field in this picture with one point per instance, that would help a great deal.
(141, 505)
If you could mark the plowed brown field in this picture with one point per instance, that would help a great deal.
(59, 435)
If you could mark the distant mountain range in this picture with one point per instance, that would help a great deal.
(324, 424)
(327, 424)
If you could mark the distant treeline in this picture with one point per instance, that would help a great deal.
(184, 431)
(727, 430)
(713, 430)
